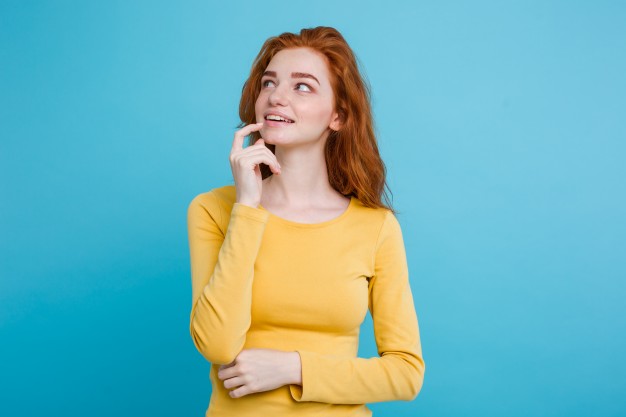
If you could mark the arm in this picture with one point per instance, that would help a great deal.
(399, 371)
(222, 268)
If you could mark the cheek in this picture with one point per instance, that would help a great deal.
(257, 104)
(320, 115)
(261, 101)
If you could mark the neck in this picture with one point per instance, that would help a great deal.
(303, 179)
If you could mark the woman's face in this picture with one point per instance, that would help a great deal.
(296, 86)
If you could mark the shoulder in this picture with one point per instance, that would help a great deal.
(385, 223)
(379, 218)
(373, 225)
(222, 196)
(216, 203)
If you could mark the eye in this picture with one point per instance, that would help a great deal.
(307, 87)
(264, 83)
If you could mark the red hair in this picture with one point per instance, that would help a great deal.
(354, 165)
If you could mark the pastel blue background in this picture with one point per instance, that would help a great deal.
(502, 127)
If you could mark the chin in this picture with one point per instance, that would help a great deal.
(273, 139)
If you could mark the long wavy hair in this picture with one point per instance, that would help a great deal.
(354, 165)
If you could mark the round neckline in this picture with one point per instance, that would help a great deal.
(312, 225)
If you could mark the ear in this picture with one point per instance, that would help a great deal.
(337, 122)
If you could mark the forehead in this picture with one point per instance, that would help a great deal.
(299, 60)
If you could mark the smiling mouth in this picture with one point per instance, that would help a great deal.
(273, 118)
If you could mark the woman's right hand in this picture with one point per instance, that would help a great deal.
(245, 166)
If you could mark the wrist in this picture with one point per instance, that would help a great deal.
(248, 203)
(294, 370)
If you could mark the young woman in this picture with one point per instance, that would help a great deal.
(286, 262)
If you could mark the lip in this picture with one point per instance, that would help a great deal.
(274, 123)
(277, 113)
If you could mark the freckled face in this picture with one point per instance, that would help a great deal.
(296, 86)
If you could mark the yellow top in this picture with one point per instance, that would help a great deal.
(261, 281)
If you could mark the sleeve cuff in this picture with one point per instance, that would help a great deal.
(303, 392)
(252, 213)
(296, 392)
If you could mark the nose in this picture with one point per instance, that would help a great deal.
(278, 97)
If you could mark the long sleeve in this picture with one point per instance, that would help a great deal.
(399, 371)
(222, 269)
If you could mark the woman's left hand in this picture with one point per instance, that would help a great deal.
(257, 370)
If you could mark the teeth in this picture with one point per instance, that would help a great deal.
(274, 117)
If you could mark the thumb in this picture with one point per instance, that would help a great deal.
(260, 142)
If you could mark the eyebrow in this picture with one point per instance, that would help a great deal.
(293, 75)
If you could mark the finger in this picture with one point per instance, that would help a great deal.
(255, 164)
(256, 158)
(243, 132)
(235, 382)
(256, 153)
(227, 365)
(239, 392)
(227, 372)
(259, 145)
